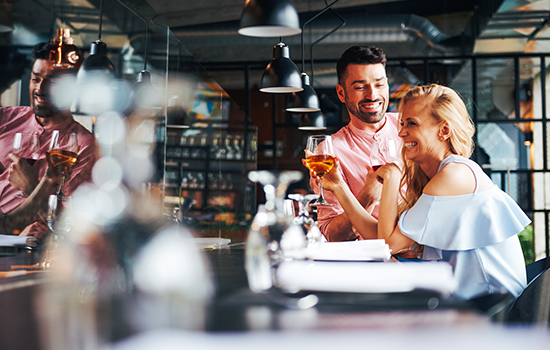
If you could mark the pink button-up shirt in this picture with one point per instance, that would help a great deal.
(353, 148)
(23, 120)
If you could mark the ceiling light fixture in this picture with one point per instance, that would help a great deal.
(97, 64)
(307, 99)
(66, 55)
(269, 18)
(281, 74)
(143, 90)
(312, 121)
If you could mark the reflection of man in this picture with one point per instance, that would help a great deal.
(363, 88)
(41, 119)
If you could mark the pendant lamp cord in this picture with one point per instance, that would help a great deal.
(327, 7)
(100, 19)
(146, 31)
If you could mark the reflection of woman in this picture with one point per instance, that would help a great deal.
(451, 207)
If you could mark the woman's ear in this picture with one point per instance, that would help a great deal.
(444, 132)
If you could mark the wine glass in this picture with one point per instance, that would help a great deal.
(263, 251)
(25, 146)
(320, 159)
(382, 153)
(63, 155)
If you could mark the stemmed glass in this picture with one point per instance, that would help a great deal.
(63, 155)
(319, 159)
(308, 225)
(263, 246)
(25, 146)
(383, 153)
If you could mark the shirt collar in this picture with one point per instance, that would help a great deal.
(48, 128)
(367, 133)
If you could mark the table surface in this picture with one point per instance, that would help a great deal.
(236, 308)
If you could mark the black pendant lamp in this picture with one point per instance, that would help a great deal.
(281, 74)
(97, 65)
(305, 100)
(312, 121)
(269, 18)
(143, 88)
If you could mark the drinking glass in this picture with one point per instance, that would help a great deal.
(63, 155)
(320, 159)
(263, 246)
(308, 225)
(382, 153)
(25, 146)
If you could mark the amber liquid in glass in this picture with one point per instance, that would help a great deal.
(62, 158)
(320, 164)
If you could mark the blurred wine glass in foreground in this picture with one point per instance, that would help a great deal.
(263, 246)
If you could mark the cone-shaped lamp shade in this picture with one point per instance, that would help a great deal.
(281, 74)
(305, 100)
(312, 121)
(96, 64)
(269, 18)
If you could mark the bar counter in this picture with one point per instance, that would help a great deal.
(237, 309)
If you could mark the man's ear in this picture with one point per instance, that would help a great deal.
(341, 93)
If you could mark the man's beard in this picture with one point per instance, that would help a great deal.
(47, 111)
(366, 117)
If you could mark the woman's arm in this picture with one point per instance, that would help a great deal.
(388, 211)
(363, 222)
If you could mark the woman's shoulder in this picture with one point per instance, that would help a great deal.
(454, 179)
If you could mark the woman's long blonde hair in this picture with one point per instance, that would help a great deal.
(445, 106)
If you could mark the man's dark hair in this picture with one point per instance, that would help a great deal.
(359, 55)
(41, 51)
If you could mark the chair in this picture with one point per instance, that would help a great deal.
(533, 305)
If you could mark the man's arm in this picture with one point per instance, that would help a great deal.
(37, 202)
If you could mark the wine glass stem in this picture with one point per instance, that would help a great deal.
(321, 189)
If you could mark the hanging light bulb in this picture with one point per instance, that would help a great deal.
(66, 55)
(281, 74)
(269, 18)
(305, 100)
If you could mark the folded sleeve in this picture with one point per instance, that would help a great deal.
(463, 222)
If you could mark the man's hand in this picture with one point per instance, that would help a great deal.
(21, 175)
(37, 229)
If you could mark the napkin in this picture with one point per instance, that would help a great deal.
(12, 241)
(366, 277)
(366, 250)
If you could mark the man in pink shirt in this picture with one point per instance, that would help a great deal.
(18, 179)
(363, 87)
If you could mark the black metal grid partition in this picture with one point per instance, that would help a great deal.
(506, 97)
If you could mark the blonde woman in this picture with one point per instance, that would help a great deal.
(451, 207)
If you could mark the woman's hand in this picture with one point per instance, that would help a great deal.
(333, 179)
(388, 171)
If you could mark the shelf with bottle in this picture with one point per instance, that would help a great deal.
(206, 144)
